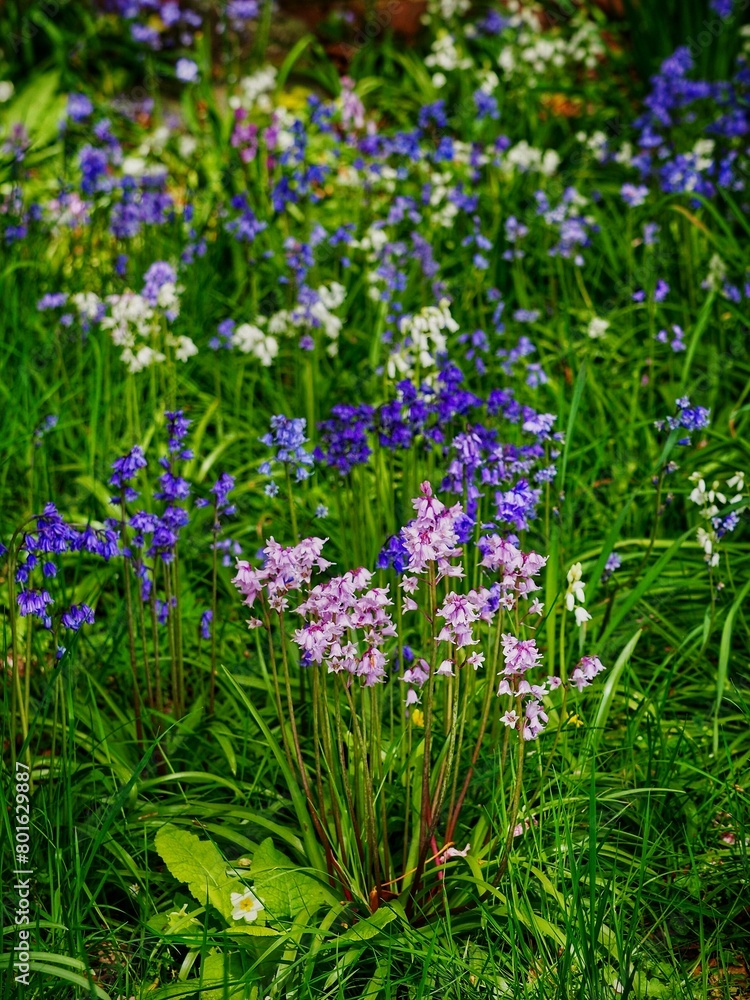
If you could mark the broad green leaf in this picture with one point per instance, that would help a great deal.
(199, 865)
(39, 108)
(222, 971)
(284, 889)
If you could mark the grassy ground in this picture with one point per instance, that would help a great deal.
(629, 876)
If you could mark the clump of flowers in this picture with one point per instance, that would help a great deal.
(139, 324)
(287, 438)
(688, 417)
(720, 509)
(455, 646)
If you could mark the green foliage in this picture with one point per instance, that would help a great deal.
(631, 869)
(200, 866)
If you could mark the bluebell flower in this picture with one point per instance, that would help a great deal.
(221, 490)
(76, 616)
(79, 107)
(486, 105)
(614, 562)
(287, 437)
(177, 429)
(52, 300)
(34, 602)
(345, 437)
(126, 469)
(395, 554)
(159, 274)
(206, 619)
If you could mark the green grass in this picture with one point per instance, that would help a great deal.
(631, 876)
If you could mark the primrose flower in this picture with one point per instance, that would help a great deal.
(246, 906)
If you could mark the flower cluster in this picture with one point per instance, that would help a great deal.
(689, 418)
(347, 626)
(720, 509)
(287, 437)
(283, 570)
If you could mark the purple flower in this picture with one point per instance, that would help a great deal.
(633, 195)
(287, 436)
(76, 616)
(239, 11)
(344, 438)
(126, 468)
(206, 618)
(34, 602)
(722, 7)
(486, 105)
(611, 566)
(52, 300)
(158, 275)
(79, 107)
(221, 489)
(177, 429)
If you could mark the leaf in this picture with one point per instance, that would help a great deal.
(595, 575)
(700, 326)
(39, 108)
(610, 686)
(223, 972)
(724, 651)
(371, 926)
(313, 849)
(46, 963)
(646, 581)
(283, 888)
(575, 403)
(199, 865)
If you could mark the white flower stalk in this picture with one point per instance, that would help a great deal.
(250, 339)
(711, 500)
(575, 595)
(446, 55)
(447, 9)
(524, 158)
(255, 91)
(717, 273)
(308, 319)
(140, 327)
(424, 340)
